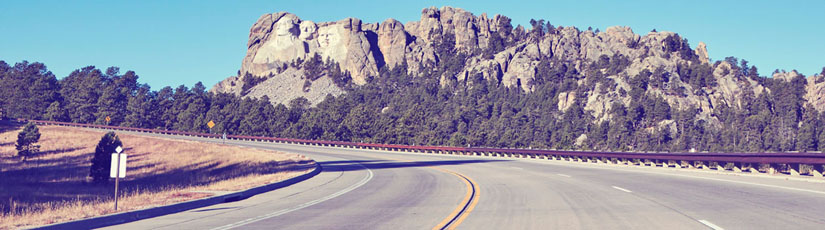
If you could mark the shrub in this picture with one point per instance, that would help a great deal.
(25, 141)
(102, 159)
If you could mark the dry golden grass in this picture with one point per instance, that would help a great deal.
(53, 186)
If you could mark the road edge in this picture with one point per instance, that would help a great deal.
(125, 217)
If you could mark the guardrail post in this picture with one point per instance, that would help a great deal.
(752, 169)
(770, 168)
(794, 169)
(735, 167)
(816, 170)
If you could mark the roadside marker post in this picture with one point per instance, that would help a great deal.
(118, 169)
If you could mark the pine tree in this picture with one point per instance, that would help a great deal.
(26, 140)
(101, 162)
(55, 112)
(27, 89)
(81, 90)
(165, 103)
(139, 109)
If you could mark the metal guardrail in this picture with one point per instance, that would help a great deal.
(810, 164)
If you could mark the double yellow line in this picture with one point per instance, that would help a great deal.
(465, 207)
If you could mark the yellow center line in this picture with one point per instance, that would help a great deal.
(464, 208)
(467, 205)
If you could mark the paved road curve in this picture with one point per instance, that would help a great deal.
(365, 189)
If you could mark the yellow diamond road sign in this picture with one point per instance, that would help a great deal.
(210, 124)
(108, 119)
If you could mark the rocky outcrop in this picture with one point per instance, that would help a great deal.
(282, 38)
(392, 42)
(702, 52)
(815, 92)
(566, 99)
(278, 41)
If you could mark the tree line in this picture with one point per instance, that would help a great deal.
(399, 108)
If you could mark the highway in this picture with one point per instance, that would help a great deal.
(369, 189)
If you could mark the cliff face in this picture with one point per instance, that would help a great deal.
(361, 49)
(277, 41)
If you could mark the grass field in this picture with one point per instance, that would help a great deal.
(53, 186)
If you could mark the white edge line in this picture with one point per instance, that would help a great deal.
(564, 175)
(711, 225)
(621, 189)
(299, 207)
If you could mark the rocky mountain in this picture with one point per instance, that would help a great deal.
(281, 44)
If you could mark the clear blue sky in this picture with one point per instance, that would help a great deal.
(183, 42)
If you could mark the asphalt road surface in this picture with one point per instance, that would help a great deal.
(367, 189)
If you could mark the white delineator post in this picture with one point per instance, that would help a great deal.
(117, 169)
